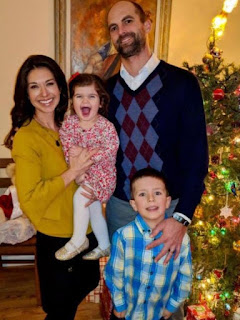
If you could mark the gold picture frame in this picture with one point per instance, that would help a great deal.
(67, 22)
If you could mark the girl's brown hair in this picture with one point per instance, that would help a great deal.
(87, 79)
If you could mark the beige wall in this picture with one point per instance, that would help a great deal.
(191, 27)
(27, 27)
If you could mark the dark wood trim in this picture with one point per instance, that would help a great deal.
(5, 161)
(23, 248)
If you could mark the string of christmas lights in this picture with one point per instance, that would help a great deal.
(215, 229)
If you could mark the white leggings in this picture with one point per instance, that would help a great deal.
(81, 217)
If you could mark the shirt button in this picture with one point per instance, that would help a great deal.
(70, 269)
(151, 273)
(148, 287)
(153, 257)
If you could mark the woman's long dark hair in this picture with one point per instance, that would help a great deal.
(23, 111)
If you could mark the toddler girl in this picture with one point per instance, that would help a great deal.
(88, 129)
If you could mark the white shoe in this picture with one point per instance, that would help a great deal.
(97, 253)
(63, 254)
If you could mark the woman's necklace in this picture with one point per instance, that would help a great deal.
(47, 130)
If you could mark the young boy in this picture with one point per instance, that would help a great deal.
(141, 288)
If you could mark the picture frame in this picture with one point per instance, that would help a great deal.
(81, 31)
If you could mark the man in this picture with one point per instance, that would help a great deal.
(158, 113)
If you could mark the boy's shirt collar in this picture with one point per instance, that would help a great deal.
(144, 227)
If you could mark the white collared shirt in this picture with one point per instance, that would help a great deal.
(135, 82)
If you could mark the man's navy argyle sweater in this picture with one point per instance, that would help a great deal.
(161, 125)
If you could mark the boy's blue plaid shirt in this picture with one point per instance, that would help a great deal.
(140, 285)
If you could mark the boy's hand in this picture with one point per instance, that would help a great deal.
(166, 314)
(119, 314)
(172, 236)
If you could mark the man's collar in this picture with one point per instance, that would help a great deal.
(148, 67)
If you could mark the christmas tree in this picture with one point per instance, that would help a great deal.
(215, 229)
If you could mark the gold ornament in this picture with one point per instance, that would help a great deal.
(236, 245)
(214, 240)
(207, 58)
(198, 212)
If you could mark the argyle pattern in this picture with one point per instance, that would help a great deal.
(138, 137)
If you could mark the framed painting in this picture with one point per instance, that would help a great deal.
(82, 42)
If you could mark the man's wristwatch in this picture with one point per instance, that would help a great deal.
(181, 219)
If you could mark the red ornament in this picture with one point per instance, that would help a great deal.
(218, 94)
(212, 175)
(232, 156)
(217, 296)
(237, 91)
(209, 130)
(218, 273)
(226, 313)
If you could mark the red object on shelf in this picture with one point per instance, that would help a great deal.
(94, 296)
(105, 303)
(200, 312)
(101, 294)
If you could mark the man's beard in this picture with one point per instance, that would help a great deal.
(139, 41)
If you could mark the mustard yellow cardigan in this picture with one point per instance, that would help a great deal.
(42, 194)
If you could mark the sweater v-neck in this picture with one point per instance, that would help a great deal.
(159, 70)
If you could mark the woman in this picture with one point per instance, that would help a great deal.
(46, 185)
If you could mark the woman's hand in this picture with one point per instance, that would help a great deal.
(82, 162)
(78, 165)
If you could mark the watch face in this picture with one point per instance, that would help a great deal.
(180, 219)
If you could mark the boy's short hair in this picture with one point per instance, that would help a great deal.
(148, 172)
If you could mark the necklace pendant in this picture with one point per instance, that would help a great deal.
(57, 143)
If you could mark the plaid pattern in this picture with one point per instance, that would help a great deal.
(140, 285)
(94, 296)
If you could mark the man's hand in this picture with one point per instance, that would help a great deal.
(166, 314)
(172, 236)
(89, 194)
